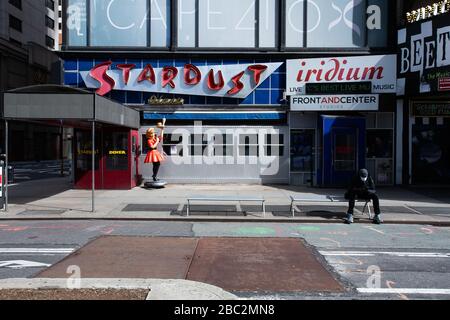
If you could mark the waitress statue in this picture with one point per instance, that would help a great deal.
(154, 156)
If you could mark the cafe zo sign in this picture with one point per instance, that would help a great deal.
(378, 70)
(233, 81)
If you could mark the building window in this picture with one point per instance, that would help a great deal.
(50, 42)
(111, 27)
(248, 145)
(16, 3)
(76, 23)
(274, 145)
(198, 144)
(49, 22)
(15, 23)
(294, 23)
(227, 24)
(50, 4)
(126, 23)
(223, 145)
(172, 145)
(302, 150)
(317, 24)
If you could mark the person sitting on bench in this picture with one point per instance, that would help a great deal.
(362, 187)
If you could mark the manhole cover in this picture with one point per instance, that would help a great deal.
(261, 264)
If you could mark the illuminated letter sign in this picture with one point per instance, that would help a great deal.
(380, 71)
(233, 81)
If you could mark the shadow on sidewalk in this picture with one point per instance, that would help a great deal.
(435, 195)
(31, 191)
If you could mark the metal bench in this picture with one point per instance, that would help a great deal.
(295, 199)
(366, 203)
(226, 199)
(328, 198)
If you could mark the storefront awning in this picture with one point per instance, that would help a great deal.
(194, 116)
(50, 102)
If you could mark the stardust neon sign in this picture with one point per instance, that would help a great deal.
(233, 81)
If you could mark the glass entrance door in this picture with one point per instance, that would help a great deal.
(117, 159)
(344, 144)
(83, 159)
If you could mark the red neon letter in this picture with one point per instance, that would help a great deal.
(188, 68)
(257, 70)
(147, 74)
(212, 85)
(106, 82)
(126, 68)
(168, 74)
(238, 85)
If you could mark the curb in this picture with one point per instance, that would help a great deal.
(233, 220)
(159, 289)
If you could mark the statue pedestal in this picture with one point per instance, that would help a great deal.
(155, 184)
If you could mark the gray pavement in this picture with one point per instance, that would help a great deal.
(48, 219)
(56, 199)
(413, 260)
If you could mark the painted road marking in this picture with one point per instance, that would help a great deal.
(395, 254)
(376, 230)
(36, 250)
(404, 291)
(21, 264)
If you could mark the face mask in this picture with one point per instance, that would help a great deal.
(364, 179)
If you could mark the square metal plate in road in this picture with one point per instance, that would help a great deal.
(234, 264)
(129, 257)
(261, 265)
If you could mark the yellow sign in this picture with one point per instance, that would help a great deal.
(80, 152)
(160, 101)
(428, 11)
(117, 152)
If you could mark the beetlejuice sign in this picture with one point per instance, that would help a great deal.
(233, 81)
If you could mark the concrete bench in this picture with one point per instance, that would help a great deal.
(226, 199)
(327, 198)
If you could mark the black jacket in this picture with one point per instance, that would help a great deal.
(359, 186)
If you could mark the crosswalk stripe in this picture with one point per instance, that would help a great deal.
(405, 291)
(395, 254)
(36, 250)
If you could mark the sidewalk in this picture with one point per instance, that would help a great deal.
(158, 289)
(54, 199)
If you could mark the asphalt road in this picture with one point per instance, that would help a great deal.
(375, 262)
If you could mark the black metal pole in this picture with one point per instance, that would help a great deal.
(6, 165)
(93, 166)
